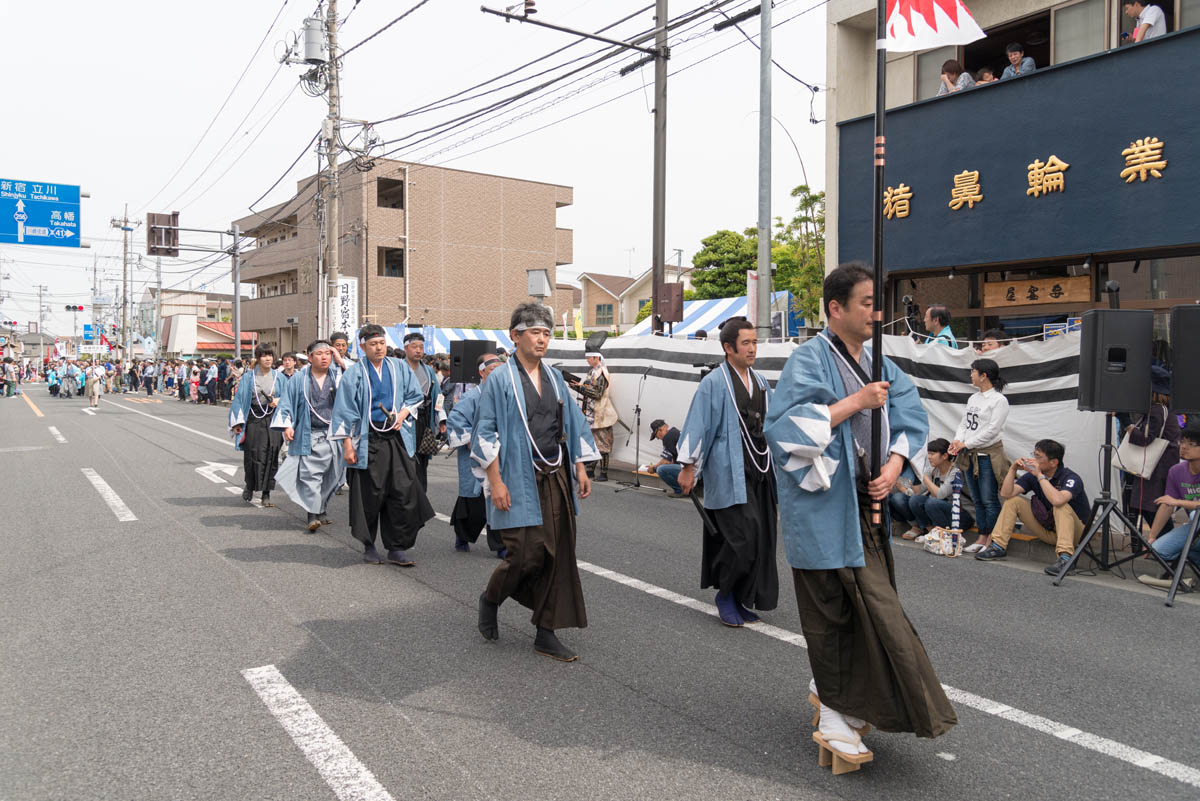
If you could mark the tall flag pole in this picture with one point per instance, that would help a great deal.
(901, 25)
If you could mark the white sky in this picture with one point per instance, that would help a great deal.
(113, 96)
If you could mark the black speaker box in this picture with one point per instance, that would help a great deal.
(463, 355)
(1185, 359)
(1114, 360)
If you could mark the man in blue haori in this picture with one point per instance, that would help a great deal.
(313, 469)
(429, 418)
(470, 510)
(250, 414)
(868, 663)
(530, 444)
(372, 416)
(722, 442)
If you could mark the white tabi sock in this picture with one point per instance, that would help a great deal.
(834, 722)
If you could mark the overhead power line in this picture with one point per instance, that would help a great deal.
(354, 47)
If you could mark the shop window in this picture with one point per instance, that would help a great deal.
(604, 314)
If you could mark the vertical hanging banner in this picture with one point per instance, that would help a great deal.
(346, 318)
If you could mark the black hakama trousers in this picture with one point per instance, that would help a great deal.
(260, 453)
(740, 557)
(386, 494)
(539, 570)
(866, 657)
(469, 518)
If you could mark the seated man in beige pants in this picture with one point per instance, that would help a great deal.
(1054, 512)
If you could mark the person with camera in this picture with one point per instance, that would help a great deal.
(979, 448)
(666, 468)
(1054, 512)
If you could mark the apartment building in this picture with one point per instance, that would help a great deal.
(419, 244)
(1016, 202)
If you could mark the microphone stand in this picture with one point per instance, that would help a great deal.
(636, 484)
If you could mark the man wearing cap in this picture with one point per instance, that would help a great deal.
(313, 469)
(372, 416)
(530, 443)
(430, 409)
(598, 407)
(470, 510)
(667, 468)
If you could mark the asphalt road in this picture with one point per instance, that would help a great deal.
(125, 642)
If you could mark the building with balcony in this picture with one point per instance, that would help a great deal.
(419, 244)
(1016, 202)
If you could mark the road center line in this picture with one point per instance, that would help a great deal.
(349, 778)
(110, 496)
(1102, 745)
(54, 432)
(32, 405)
(222, 440)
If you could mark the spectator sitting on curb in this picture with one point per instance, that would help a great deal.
(1054, 514)
(666, 467)
(929, 505)
(1182, 492)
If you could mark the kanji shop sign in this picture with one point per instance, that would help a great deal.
(1037, 292)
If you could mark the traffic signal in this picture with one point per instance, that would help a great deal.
(9, 323)
(162, 234)
(74, 308)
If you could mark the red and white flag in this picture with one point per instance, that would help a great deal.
(922, 24)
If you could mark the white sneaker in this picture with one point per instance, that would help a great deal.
(974, 548)
(921, 538)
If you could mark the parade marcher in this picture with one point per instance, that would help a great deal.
(598, 407)
(722, 441)
(470, 510)
(868, 662)
(250, 414)
(288, 367)
(313, 469)
(376, 399)
(94, 385)
(342, 360)
(532, 442)
(429, 418)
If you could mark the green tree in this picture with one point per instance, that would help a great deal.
(720, 266)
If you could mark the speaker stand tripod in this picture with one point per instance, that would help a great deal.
(636, 484)
(1104, 507)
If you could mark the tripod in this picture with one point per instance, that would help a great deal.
(1104, 507)
(637, 448)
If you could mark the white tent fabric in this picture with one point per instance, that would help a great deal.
(1042, 395)
(437, 340)
(703, 314)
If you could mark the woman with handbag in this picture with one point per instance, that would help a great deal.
(1149, 448)
(980, 448)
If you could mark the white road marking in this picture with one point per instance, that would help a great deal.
(22, 448)
(946, 756)
(90, 410)
(349, 778)
(222, 440)
(110, 497)
(54, 432)
(210, 469)
(238, 491)
(1102, 745)
(442, 517)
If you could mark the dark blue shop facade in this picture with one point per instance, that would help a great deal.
(1017, 202)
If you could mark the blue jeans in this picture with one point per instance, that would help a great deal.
(1169, 544)
(924, 511)
(985, 493)
(669, 473)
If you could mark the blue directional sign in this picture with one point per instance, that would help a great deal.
(39, 213)
(88, 334)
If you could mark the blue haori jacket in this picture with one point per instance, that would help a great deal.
(815, 463)
(459, 426)
(352, 407)
(501, 433)
(240, 407)
(711, 438)
(293, 413)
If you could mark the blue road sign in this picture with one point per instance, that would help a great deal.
(88, 334)
(33, 213)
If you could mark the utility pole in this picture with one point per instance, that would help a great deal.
(41, 330)
(158, 307)
(332, 216)
(659, 216)
(236, 268)
(763, 301)
(126, 229)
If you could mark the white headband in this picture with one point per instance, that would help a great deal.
(524, 326)
(592, 353)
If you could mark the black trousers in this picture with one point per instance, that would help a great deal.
(423, 470)
(148, 383)
(260, 453)
(469, 518)
(386, 495)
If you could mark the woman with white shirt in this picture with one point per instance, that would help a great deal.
(980, 449)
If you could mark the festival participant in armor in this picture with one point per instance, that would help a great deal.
(429, 418)
(250, 414)
(868, 664)
(531, 442)
(372, 416)
(470, 510)
(313, 469)
(722, 441)
(598, 407)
